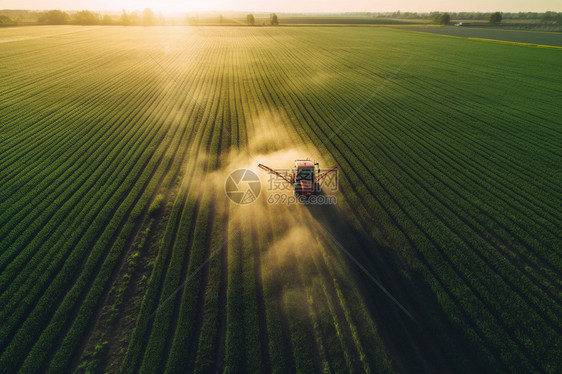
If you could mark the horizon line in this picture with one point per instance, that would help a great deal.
(273, 11)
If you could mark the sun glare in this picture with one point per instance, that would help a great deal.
(175, 6)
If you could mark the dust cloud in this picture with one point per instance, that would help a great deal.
(295, 246)
(283, 245)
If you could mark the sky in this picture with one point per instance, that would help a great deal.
(297, 6)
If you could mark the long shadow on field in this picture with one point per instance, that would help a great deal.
(429, 342)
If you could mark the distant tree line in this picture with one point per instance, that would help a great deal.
(445, 18)
(86, 17)
(251, 20)
(545, 17)
(494, 18)
(149, 18)
(7, 21)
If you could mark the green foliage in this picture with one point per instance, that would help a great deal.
(250, 19)
(134, 18)
(132, 264)
(157, 205)
(125, 18)
(6, 21)
(552, 17)
(496, 18)
(54, 17)
(85, 17)
(148, 17)
(107, 20)
(528, 20)
(442, 19)
(92, 365)
(460, 181)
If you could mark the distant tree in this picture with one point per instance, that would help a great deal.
(134, 18)
(148, 17)
(273, 19)
(6, 21)
(85, 17)
(54, 17)
(161, 19)
(250, 19)
(444, 19)
(192, 21)
(106, 20)
(125, 18)
(496, 18)
(551, 17)
(221, 18)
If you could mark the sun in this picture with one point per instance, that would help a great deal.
(177, 6)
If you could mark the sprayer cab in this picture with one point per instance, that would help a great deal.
(303, 177)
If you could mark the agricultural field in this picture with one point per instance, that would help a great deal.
(121, 252)
(495, 33)
(346, 20)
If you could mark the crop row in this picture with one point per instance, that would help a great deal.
(354, 141)
(116, 243)
(459, 182)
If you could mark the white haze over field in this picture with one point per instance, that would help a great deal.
(297, 6)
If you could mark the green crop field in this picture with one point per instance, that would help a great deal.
(531, 37)
(121, 252)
